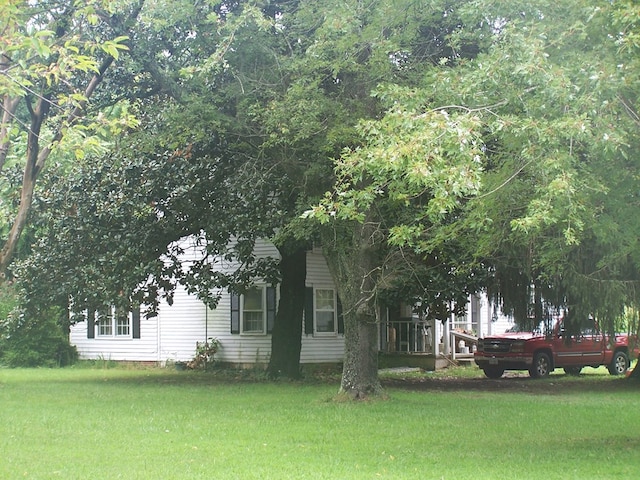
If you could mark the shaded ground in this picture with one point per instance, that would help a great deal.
(513, 382)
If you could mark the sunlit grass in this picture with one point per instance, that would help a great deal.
(162, 424)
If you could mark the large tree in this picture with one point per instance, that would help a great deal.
(53, 56)
(305, 84)
(484, 147)
(107, 231)
(529, 149)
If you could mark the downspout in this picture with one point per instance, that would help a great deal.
(159, 338)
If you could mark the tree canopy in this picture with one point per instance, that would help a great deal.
(529, 149)
(53, 56)
(463, 145)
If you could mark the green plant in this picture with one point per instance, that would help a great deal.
(32, 340)
(205, 352)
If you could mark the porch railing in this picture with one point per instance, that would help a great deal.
(406, 336)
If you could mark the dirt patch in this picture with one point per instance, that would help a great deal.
(513, 382)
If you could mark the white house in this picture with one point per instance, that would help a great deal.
(242, 325)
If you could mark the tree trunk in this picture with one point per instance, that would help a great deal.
(355, 269)
(360, 370)
(286, 337)
(31, 171)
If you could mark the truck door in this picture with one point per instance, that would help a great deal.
(567, 348)
(592, 345)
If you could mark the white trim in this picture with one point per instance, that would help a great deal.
(113, 317)
(316, 311)
(263, 291)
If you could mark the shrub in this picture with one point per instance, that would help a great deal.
(205, 352)
(33, 340)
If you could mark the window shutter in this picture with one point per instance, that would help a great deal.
(308, 311)
(135, 322)
(235, 313)
(91, 324)
(340, 316)
(271, 308)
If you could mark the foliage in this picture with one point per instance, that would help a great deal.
(473, 139)
(205, 352)
(36, 340)
(53, 56)
(110, 238)
(526, 151)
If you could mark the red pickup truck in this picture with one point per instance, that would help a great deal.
(541, 353)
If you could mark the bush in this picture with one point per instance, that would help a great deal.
(205, 352)
(33, 340)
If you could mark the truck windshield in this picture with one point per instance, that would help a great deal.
(517, 328)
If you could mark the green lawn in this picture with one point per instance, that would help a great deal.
(162, 424)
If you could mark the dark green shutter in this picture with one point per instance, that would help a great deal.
(235, 313)
(340, 316)
(135, 322)
(91, 324)
(271, 308)
(308, 311)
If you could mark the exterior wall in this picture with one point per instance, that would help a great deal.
(320, 348)
(143, 349)
(493, 321)
(172, 335)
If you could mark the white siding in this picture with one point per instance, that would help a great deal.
(492, 319)
(143, 349)
(172, 335)
(181, 325)
(320, 349)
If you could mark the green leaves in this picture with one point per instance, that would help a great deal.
(113, 47)
(428, 161)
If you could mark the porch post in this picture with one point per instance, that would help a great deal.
(446, 336)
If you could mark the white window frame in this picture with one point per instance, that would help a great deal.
(111, 320)
(317, 310)
(263, 331)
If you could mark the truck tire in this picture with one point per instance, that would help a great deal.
(619, 364)
(493, 372)
(541, 365)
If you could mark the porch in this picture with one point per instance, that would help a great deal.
(412, 343)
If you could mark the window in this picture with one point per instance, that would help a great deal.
(322, 312)
(325, 311)
(105, 324)
(253, 312)
(123, 326)
(110, 322)
(113, 322)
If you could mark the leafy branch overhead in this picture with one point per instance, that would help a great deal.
(52, 58)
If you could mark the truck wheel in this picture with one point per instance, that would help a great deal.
(620, 364)
(541, 365)
(493, 372)
(572, 370)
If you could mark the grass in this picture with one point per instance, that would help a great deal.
(89, 423)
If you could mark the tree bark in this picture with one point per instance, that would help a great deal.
(29, 177)
(286, 337)
(355, 270)
(10, 105)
